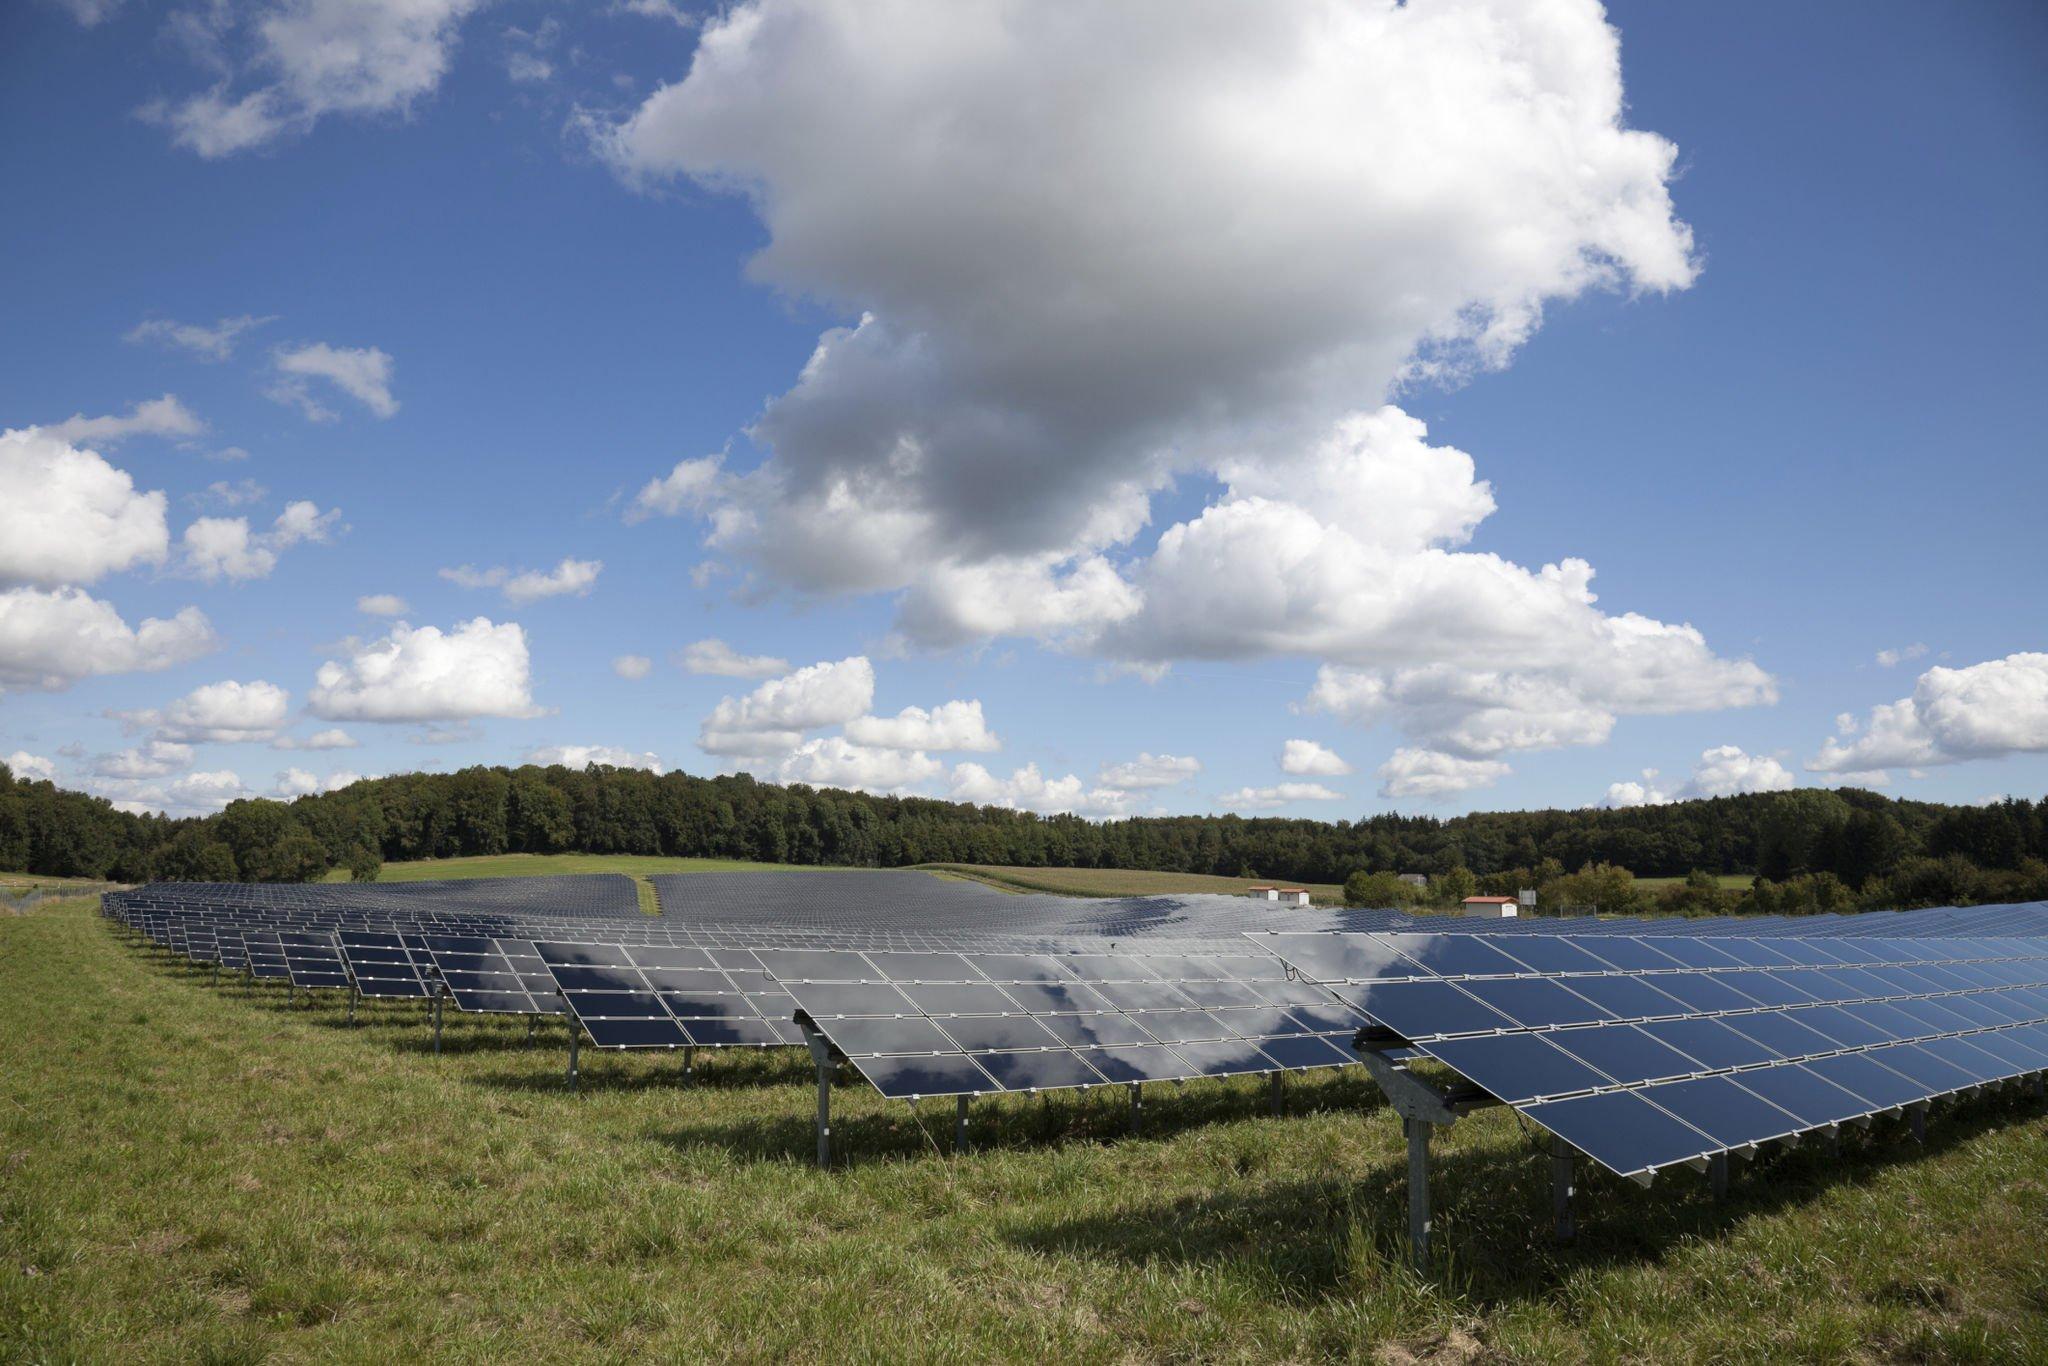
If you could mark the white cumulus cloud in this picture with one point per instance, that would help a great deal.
(1027, 789)
(1281, 794)
(423, 674)
(67, 516)
(1149, 770)
(1891, 659)
(771, 719)
(834, 761)
(333, 738)
(1307, 759)
(957, 725)
(50, 639)
(571, 576)
(224, 713)
(1983, 711)
(32, 766)
(215, 548)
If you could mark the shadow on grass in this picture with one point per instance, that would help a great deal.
(1013, 1123)
(1492, 1232)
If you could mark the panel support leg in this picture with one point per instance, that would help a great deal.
(959, 1124)
(1717, 1175)
(1561, 1189)
(1277, 1092)
(825, 1070)
(291, 989)
(2037, 1085)
(1916, 1117)
(575, 1054)
(532, 1028)
(352, 998)
(689, 1066)
(1137, 1103)
(437, 1024)
(1418, 1191)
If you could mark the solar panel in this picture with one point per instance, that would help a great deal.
(1696, 1048)
(938, 1024)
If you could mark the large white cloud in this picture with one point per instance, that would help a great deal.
(156, 759)
(1983, 711)
(425, 674)
(164, 416)
(1433, 775)
(1221, 227)
(224, 713)
(49, 639)
(771, 719)
(957, 725)
(311, 58)
(67, 516)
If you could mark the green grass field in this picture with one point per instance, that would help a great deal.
(200, 1173)
(1727, 882)
(547, 865)
(1119, 882)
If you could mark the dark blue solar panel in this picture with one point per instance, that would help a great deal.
(1721, 1109)
(1626, 1053)
(1622, 1131)
(1519, 1067)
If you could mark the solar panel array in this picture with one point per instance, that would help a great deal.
(1645, 1052)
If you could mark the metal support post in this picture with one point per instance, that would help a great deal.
(1561, 1189)
(532, 1028)
(959, 1124)
(822, 1055)
(2037, 1085)
(1717, 1175)
(1418, 1191)
(437, 1024)
(1916, 1116)
(290, 990)
(353, 996)
(575, 1049)
(1277, 1089)
(1137, 1103)
(689, 1066)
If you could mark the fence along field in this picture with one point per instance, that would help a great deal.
(334, 1189)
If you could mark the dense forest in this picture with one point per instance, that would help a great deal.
(1811, 849)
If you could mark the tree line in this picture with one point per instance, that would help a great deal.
(1809, 849)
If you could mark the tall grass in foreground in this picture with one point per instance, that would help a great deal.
(192, 1172)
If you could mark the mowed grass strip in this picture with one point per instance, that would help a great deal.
(1121, 882)
(549, 865)
(192, 1172)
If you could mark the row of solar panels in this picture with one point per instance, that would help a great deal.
(1643, 1053)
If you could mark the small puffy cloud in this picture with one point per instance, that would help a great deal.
(689, 487)
(1891, 659)
(223, 713)
(1307, 759)
(363, 373)
(771, 719)
(1027, 789)
(68, 517)
(1630, 792)
(1984, 711)
(1282, 794)
(230, 493)
(1433, 775)
(381, 605)
(949, 726)
(51, 639)
(312, 59)
(296, 782)
(720, 660)
(571, 576)
(34, 766)
(214, 343)
(634, 667)
(194, 794)
(1149, 771)
(583, 756)
(476, 669)
(164, 416)
(333, 738)
(833, 761)
(216, 548)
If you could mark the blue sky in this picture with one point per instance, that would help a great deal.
(1112, 455)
